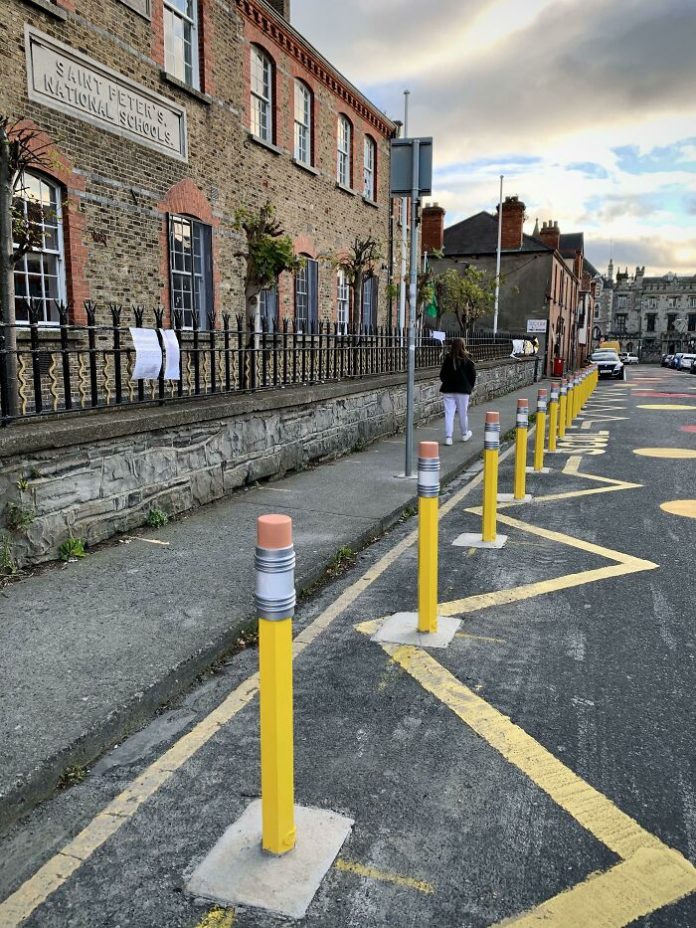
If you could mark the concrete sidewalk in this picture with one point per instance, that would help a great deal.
(90, 651)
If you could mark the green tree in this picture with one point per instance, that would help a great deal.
(358, 262)
(269, 252)
(467, 294)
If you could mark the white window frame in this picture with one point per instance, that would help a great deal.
(343, 150)
(342, 301)
(261, 83)
(303, 123)
(21, 268)
(369, 165)
(201, 277)
(186, 13)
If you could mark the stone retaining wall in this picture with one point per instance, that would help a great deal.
(93, 475)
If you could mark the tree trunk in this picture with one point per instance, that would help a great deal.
(8, 332)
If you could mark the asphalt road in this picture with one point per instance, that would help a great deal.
(547, 754)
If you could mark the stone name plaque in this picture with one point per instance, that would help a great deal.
(66, 80)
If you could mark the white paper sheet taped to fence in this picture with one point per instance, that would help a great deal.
(440, 336)
(522, 346)
(148, 354)
(171, 349)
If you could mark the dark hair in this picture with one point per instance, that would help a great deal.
(458, 351)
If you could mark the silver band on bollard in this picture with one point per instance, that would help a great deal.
(428, 477)
(541, 402)
(275, 583)
(523, 417)
(491, 436)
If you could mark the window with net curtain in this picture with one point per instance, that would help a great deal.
(343, 172)
(261, 95)
(303, 123)
(39, 275)
(191, 270)
(181, 40)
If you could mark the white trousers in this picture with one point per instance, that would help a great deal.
(456, 403)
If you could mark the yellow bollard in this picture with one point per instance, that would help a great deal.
(570, 401)
(553, 416)
(521, 438)
(491, 448)
(275, 603)
(540, 434)
(428, 493)
(562, 408)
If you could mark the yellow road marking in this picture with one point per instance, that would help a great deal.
(479, 637)
(57, 870)
(676, 454)
(667, 406)
(572, 466)
(217, 918)
(349, 866)
(680, 507)
(625, 564)
(651, 874)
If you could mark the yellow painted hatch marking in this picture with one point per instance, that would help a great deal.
(680, 507)
(58, 869)
(676, 454)
(665, 406)
(383, 876)
(650, 875)
(217, 918)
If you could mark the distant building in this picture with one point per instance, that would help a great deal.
(648, 315)
(542, 275)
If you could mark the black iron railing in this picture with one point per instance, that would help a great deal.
(58, 367)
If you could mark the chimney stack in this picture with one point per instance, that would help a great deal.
(282, 7)
(433, 228)
(512, 223)
(551, 235)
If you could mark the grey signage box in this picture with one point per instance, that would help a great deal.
(402, 166)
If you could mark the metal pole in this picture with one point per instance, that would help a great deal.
(413, 296)
(404, 234)
(497, 259)
(8, 336)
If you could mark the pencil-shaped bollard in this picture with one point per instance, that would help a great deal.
(428, 493)
(578, 395)
(521, 438)
(275, 604)
(553, 416)
(491, 449)
(570, 401)
(540, 434)
(562, 404)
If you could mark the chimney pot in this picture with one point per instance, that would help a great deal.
(512, 222)
(433, 227)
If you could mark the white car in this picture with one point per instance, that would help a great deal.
(629, 358)
(685, 362)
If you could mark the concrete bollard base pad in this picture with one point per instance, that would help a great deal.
(238, 872)
(472, 540)
(510, 498)
(544, 470)
(402, 628)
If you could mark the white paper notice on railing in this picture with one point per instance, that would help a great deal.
(171, 349)
(440, 336)
(148, 354)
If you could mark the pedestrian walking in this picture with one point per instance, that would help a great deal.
(458, 376)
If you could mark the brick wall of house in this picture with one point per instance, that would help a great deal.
(117, 192)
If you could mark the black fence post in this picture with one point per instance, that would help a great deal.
(178, 324)
(139, 314)
(63, 316)
(35, 312)
(226, 339)
(212, 320)
(116, 330)
(159, 323)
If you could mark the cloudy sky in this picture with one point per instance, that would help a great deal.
(588, 107)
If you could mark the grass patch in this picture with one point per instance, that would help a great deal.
(71, 776)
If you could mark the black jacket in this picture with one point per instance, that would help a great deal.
(457, 379)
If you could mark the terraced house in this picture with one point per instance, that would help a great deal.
(159, 119)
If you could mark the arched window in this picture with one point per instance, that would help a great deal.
(303, 123)
(261, 95)
(191, 270)
(342, 302)
(307, 295)
(369, 166)
(344, 166)
(369, 302)
(40, 274)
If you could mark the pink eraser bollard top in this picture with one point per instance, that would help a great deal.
(493, 417)
(274, 531)
(428, 449)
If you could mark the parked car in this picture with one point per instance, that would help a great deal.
(629, 358)
(685, 362)
(609, 364)
(676, 360)
(693, 369)
(667, 360)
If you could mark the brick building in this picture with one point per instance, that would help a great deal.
(160, 118)
(539, 274)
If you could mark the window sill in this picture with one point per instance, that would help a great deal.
(368, 202)
(181, 85)
(306, 167)
(345, 189)
(50, 8)
(269, 146)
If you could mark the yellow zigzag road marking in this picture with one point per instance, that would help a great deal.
(650, 876)
(572, 466)
(625, 564)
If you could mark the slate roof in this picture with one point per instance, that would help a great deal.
(591, 269)
(478, 235)
(572, 242)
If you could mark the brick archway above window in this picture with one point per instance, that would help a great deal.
(50, 159)
(189, 200)
(304, 245)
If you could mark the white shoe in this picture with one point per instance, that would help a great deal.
(448, 441)
(467, 436)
